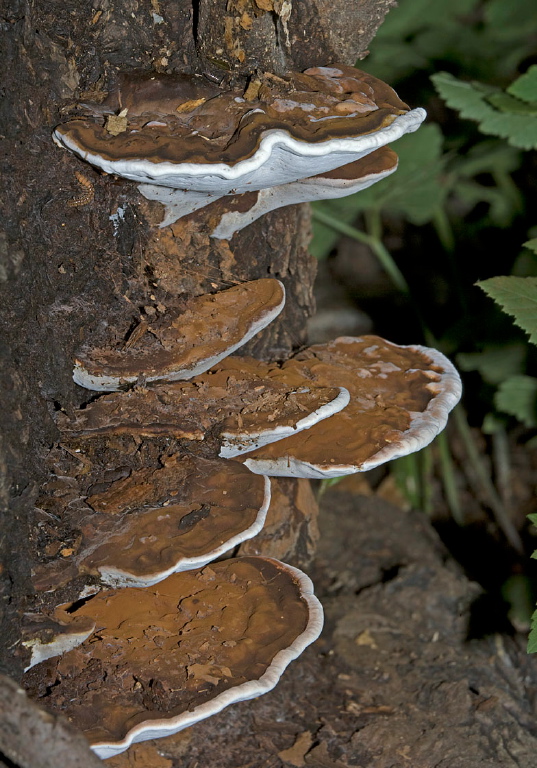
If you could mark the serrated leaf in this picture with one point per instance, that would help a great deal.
(525, 87)
(495, 364)
(531, 244)
(532, 639)
(532, 517)
(518, 297)
(507, 103)
(519, 130)
(468, 98)
(517, 396)
(472, 101)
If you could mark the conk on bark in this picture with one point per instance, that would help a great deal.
(181, 635)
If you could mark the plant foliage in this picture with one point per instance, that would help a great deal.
(469, 183)
(518, 297)
(499, 113)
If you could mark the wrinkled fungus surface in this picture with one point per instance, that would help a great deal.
(236, 402)
(158, 521)
(211, 327)
(400, 398)
(184, 134)
(164, 657)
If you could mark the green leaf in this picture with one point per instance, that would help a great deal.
(532, 639)
(516, 590)
(499, 160)
(468, 98)
(414, 29)
(409, 17)
(495, 364)
(525, 87)
(492, 423)
(533, 518)
(517, 396)
(506, 103)
(525, 264)
(518, 297)
(531, 244)
(519, 130)
(489, 156)
(391, 60)
(416, 189)
(501, 208)
(323, 240)
(472, 101)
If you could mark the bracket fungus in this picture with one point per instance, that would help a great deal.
(165, 657)
(178, 640)
(236, 403)
(226, 142)
(340, 182)
(211, 327)
(400, 398)
(156, 522)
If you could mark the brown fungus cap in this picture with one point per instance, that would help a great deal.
(235, 404)
(221, 126)
(160, 521)
(289, 129)
(179, 347)
(168, 656)
(400, 400)
(381, 162)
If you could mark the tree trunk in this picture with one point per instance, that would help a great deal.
(67, 270)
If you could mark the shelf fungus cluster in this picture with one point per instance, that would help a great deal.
(159, 659)
(181, 636)
(157, 632)
(189, 143)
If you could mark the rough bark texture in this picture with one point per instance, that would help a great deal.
(278, 35)
(33, 738)
(290, 532)
(68, 273)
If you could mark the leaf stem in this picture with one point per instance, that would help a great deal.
(485, 483)
(376, 245)
(448, 479)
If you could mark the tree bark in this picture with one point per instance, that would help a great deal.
(33, 738)
(67, 271)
